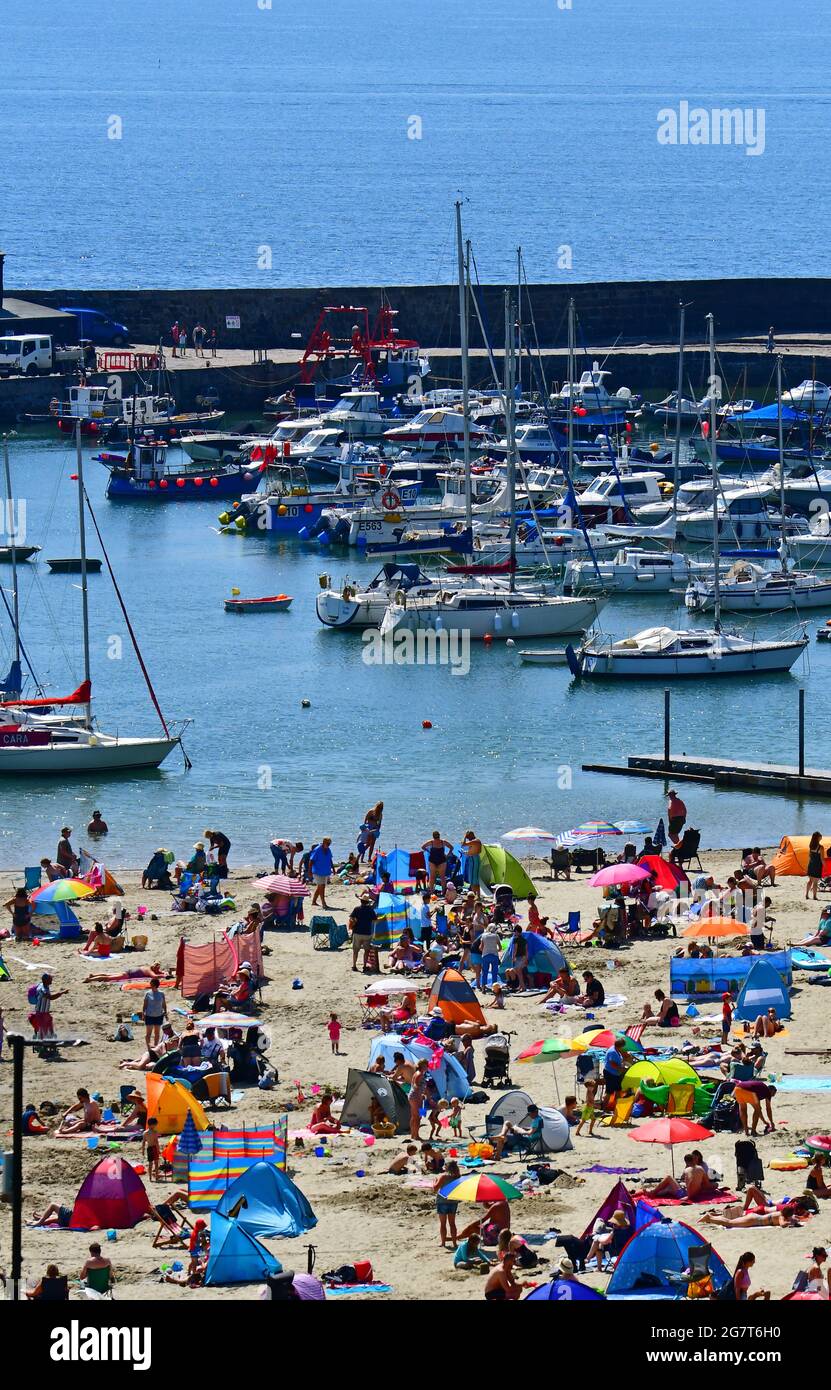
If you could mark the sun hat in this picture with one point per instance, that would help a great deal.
(565, 1266)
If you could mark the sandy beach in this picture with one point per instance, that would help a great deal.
(386, 1219)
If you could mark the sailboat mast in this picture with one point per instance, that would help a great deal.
(714, 468)
(12, 532)
(677, 459)
(463, 338)
(570, 398)
(79, 459)
(510, 427)
(781, 437)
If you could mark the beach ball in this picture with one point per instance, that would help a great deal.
(369, 1140)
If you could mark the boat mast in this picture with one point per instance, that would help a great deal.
(519, 317)
(12, 532)
(677, 459)
(79, 459)
(463, 338)
(510, 427)
(714, 467)
(570, 378)
(782, 543)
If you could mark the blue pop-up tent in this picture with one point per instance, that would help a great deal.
(762, 990)
(265, 1202)
(450, 1076)
(544, 956)
(69, 926)
(656, 1251)
(237, 1257)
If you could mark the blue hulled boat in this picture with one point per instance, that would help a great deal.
(145, 474)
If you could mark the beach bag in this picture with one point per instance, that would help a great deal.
(32, 995)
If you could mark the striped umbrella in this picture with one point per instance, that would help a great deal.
(188, 1146)
(603, 1038)
(281, 883)
(63, 890)
(480, 1187)
(546, 1051)
(591, 829)
(529, 832)
(633, 827)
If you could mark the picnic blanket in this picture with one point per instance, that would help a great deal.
(613, 1001)
(620, 1172)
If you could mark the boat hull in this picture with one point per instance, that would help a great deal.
(105, 755)
(181, 487)
(765, 658)
(497, 622)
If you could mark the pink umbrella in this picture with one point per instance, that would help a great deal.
(280, 883)
(618, 874)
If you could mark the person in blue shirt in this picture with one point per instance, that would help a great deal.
(469, 1255)
(614, 1065)
(321, 865)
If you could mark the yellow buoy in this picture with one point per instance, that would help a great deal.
(235, 593)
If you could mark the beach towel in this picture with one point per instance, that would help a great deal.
(617, 1172)
(716, 1200)
(343, 1290)
(804, 1083)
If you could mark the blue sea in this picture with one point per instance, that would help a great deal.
(507, 741)
(244, 126)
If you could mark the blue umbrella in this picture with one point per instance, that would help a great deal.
(189, 1141)
(566, 1290)
(659, 839)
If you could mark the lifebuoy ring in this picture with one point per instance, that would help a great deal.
(390, 500)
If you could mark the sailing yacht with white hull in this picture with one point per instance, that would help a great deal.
(38, 737)
(669, 653)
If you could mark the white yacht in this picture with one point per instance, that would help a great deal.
(432, 429)
(358, 415)
(812, 396)
(633, 571)
(616, 497)
(750, 587)
(592, 393)
(494, 612)
(355, 605)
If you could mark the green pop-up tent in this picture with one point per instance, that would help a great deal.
(498, 865)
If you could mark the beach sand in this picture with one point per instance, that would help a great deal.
(379, 1217)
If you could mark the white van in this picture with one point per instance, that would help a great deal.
(27, 353)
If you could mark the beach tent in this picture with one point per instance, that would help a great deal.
(112, 1196)
(397, 863)
(716, 975)
(449, 1075)
(265, 1202)
(544, 956)
(69, 926)
(659, 1071)
(660, 1246)
(395, 912)
(762, 990)
(665, 875)
(498, 865)
(362, 1087)
(452, 994)
(170, 1102)
(566, 1291)
(237, 1257)
(512, 1108)
(791, 858)
(619, 1199)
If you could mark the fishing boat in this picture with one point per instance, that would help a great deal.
(669, 653)
(156, 412)
(56, 735)
(93, 406)
(289, 506)
(145, 474)
(274, 603)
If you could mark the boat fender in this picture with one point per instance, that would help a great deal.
(282, 510)
(514, 620)
(497, 622)
(439, 625)
(224, 518)
(361, 542)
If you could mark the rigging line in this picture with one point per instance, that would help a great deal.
(23, 651)
(133, 638)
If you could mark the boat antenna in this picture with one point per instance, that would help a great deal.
(79, 460)
(714, 466)
(464, 276)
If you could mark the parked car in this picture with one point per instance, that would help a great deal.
(103, 331)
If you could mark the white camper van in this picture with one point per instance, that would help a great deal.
(27, 353)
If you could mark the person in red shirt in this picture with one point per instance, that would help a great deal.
(536, 923)
(676, 816)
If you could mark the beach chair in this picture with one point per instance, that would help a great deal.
(53, 1290)
(560, 862)
(99, 1284)
(529, 1146)
(571, 927)
(697, 1276)
(687, 849)
(174, 1229)
(681, 1098)
(621, 1110)
(32, 880)
(371, 1006)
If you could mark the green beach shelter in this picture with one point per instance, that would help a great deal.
(498, 865)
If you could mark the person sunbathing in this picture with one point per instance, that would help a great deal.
(82, 1117)
(147, 1060)
(563, 986)
(695, 1183)
(822, 935)
(750, 1220)
(98, 943)
(143, 972)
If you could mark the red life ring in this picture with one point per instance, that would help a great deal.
(390, 500)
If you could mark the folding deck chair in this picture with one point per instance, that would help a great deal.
(174, 1228)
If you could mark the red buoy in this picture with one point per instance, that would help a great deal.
(488, 638)
(426, 724)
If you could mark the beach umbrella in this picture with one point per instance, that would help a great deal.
(632, 827)
(567, 1290)
(622, 874)
(188, 1145)
(63, 890)
(671, 1130)
(547, 1051)
(716, 926)
(594, 829)
(226, 1019)
(804, 1297)
(480, 1187)
(605, 1038)
(281, 883)
(529, 832)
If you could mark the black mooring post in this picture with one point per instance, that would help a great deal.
(18, 1044)
(802, 731)
(666, 726)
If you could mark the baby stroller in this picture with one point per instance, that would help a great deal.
(503, 896)
(497, 1061)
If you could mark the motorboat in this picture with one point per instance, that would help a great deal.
(544, 656)
(616, 497)
(751, 587)
(356, 606)
(145, 474)
(633, 571)
(591, 393)
(157, 413)
(432, 429)
(745, 515)
(808, 395)
(806, 487)
(813, 547)
(17, 554)
(289, 506)
(317, 449)
(214, 446)
(358, 415)
(664, 653)
(272, 603)
(491, 612)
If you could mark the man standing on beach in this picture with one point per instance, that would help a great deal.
(321, 866)
(676, 816)
(362, 921)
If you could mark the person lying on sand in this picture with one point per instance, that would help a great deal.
(148, 1059)
(749, 1220)
(143, 972)
(82, 1117)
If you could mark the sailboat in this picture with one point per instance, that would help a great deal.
(56, 735)
(496, 610)
(669, 653)
(753, 587)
